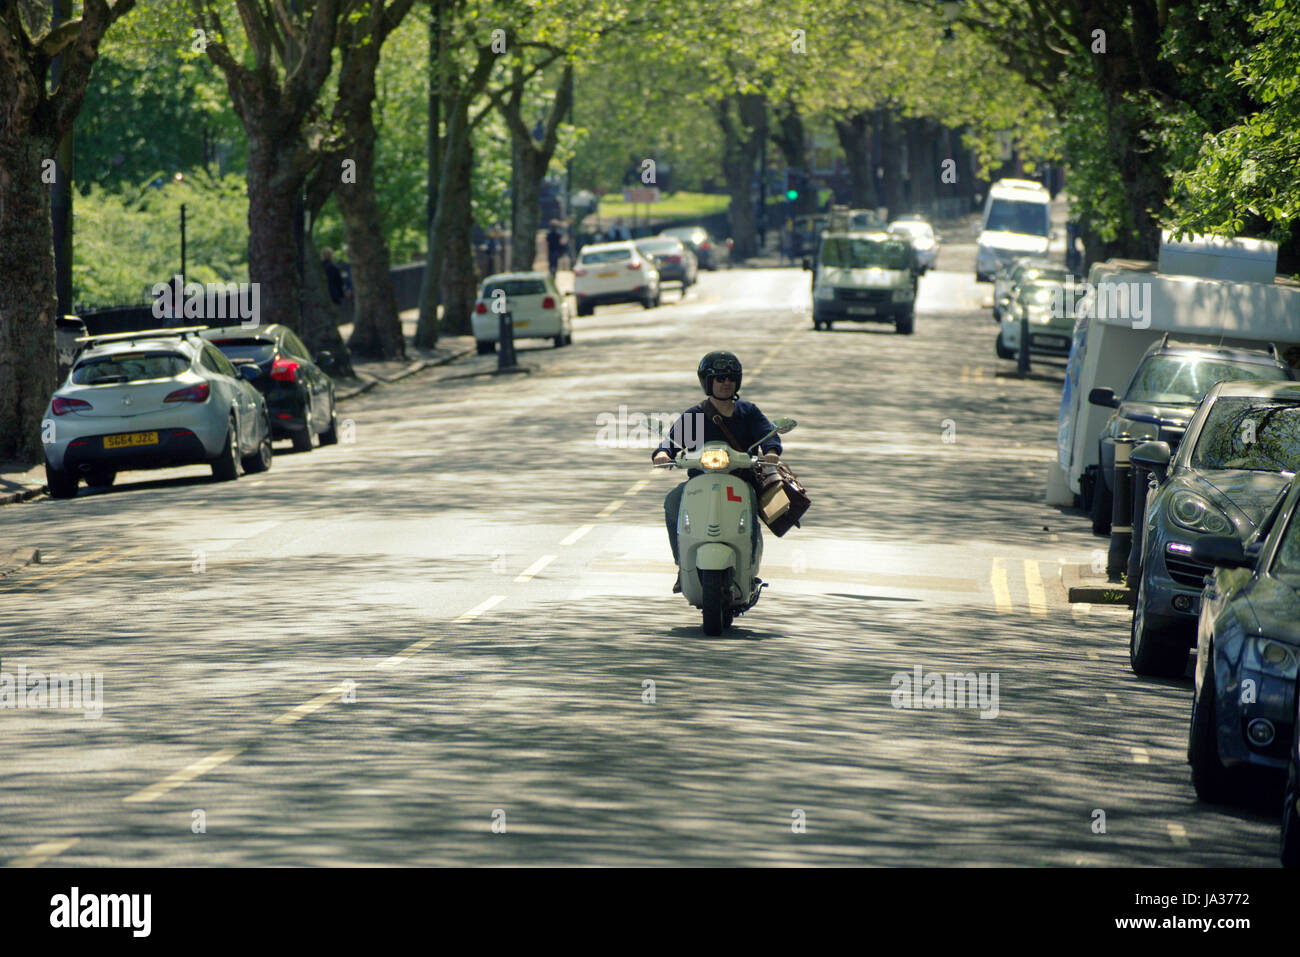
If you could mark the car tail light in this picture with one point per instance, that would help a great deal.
(284, 370)
(673, 259)
(548, 303)
(580, 272)
(193, 393)
(480, 307)
(705, 244)
(634, 266)
(62, 406)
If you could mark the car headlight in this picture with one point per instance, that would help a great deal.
(823, 292)
(1040, 316)
(715, 460)
(1137, 431)
(902, 295)
(1193, 512)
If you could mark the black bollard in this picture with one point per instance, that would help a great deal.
(1121, 521)
(1140, 490)
(1022, 359)
(506, 341)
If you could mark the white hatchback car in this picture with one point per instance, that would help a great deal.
(538, 309)
(614, 272)
(152, 399)
(923, 239)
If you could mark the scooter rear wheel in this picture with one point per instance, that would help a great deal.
(715, 594)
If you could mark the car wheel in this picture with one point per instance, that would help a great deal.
(905, 325)
(1291, 815)
(559, 341)
(100, 479)
(585, 309)
(62, 483)
(302, 440)
(487, 348)
(260, 460)
(225, 467)
(647, 303)
(1153, 652)
(1213, 782)
(331, 435)
(1002, 351)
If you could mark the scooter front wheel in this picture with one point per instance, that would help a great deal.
(715, 597)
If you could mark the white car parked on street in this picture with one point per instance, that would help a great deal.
(537, 308)
(923, 239)
(149, 400)
(614, 272)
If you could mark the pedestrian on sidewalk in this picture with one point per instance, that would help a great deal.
(787, 242)
(554, 246)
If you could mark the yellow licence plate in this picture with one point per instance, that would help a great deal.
(607, 275)
(130, 438)
(520, 325)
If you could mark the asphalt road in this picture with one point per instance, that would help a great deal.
(431, 644)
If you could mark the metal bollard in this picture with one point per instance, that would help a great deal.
(1022, 358)
(1140, 490)
(506, 341)
(1121, 521)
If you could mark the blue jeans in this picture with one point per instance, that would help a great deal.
(673, 505)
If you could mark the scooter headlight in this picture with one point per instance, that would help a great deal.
(715, 460)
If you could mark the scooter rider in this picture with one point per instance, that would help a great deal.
(720, 375)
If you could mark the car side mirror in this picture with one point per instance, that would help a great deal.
(1224, 551)
(1153, 456)
(1104, 396)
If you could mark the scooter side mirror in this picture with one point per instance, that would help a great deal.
(784, 425)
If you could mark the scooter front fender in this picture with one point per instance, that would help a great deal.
(714, 556)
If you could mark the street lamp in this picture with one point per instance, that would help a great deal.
(950, 10)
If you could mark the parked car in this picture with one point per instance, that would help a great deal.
(538, 309)
(614, 272)
(923, 239)
(1161, 397)
(1247, 655)
(298, 389)
(673, 258)
(710, 252)
(1016, 271)
(1291, 799)
(1241, 447)
(1051, 327)
(865, 277)
(148, 400)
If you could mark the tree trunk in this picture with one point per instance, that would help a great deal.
(920, 135)
(273, 185)
(528, 168)
(891, 160)
(854, 133)
(792, 141)
(27, 299)
(460, 274)
(741, 142)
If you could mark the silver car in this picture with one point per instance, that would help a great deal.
(149, 400)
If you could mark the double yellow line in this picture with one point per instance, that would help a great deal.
(55, 574)
(1033, 588)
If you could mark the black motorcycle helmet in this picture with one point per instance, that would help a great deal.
(719, 363)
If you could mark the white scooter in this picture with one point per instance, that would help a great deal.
(714, 531)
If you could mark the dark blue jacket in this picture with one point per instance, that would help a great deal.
(693, 428)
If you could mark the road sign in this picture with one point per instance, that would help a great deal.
(641, 195)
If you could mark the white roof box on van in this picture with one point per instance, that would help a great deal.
(1216, 257)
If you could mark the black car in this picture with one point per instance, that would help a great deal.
(299, 391)
(709, 251)
(1160, 399)
(674, 258)
(1247, 655)
(1242, 447)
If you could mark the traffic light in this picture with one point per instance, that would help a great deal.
(791, 185)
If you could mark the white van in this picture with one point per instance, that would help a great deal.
(1017, 222)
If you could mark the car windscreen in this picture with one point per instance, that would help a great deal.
(1183, 380)
(1245, 432)
(688, 233)
(604, 256)
(129, 367)
(248, 349)
(1017, 216)
(513, 287)
(913, 229)
(865, 221)
(662, 247)
(841, 252)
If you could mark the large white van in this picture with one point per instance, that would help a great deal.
(1017, 222)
